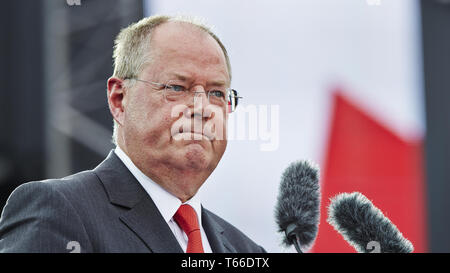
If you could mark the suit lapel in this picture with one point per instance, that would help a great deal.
(143, 217)
(215, 233)
(147, 222)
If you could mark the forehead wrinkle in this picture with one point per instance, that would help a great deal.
(198, 56)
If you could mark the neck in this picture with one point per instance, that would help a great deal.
(183, 182)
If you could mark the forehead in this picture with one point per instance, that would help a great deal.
(187, 49)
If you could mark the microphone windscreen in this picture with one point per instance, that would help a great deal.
(299, 202)
(360, 222)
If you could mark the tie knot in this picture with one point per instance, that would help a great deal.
(186, 218)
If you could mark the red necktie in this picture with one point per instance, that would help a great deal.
(186, 218)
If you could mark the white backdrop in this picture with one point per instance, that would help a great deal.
(288, 56)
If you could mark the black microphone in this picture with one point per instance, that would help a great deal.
(298, 208)
(364, 226)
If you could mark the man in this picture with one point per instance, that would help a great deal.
(169, 97)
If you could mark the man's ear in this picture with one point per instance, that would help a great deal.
(116, 98)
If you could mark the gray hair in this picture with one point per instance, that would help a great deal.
(132, 47)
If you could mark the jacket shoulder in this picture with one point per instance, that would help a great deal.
(75, 188)
(38, 217)
(72, 183)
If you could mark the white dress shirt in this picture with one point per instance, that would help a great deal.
(166, 202)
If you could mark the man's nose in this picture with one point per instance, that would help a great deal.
(199, 104)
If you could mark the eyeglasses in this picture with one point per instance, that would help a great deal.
(175, 90)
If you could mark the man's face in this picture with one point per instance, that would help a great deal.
(151, 126)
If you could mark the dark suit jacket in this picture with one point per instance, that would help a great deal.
(102, 210)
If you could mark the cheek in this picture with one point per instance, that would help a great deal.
(217, 126)
(157, 125)
(220, 147)
(148, 120)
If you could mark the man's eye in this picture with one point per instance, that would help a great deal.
(177, 88)
(217, 93)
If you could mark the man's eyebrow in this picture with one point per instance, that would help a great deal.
(182, 77)
(178, 76)
(217, 83)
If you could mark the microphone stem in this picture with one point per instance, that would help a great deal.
(297, 245)
(291, 233)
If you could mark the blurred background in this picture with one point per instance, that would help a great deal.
(361, 87)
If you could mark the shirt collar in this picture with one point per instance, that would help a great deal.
(166, 202)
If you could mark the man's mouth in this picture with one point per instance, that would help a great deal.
(193, 135)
